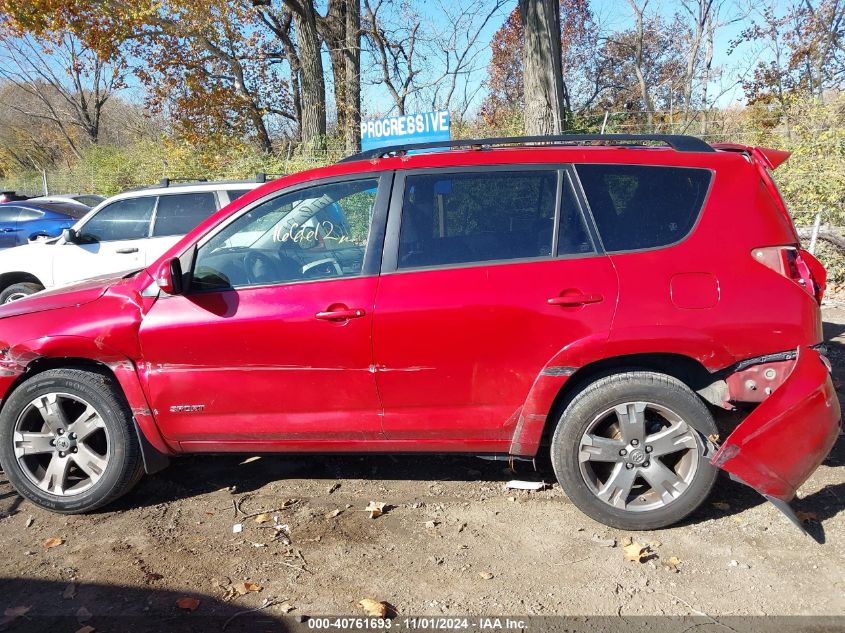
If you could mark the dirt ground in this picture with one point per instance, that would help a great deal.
(452, 541)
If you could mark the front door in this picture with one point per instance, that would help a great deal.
(111, 241)
(488, 282)
(271, 345)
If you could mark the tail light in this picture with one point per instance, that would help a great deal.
(796, 264)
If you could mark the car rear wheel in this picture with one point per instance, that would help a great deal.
(67, 441)
(19, 291)
(629, 450)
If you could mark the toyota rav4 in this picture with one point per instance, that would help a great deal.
(599, 297)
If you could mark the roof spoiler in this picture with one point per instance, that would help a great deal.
(771, 158)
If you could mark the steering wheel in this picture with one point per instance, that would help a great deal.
(260, 268)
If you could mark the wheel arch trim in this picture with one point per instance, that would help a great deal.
(34, 356)
(576, 363)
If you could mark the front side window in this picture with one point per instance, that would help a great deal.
(469, 217)
(315, 233)
(639, 206)
(180, 213)
(122, 220)
(9, 213)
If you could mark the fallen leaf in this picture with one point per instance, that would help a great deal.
(29, 522)
(635, 552)
(264, 517)
(714, 438)
(485, 575)
(243, 588)
(50, 543)
(375, 508)
(333, 487)
(188, 604)
(807, 517)
(285, 607)
(374, 608)
(333, 513)
(431, 524)
(13, 613)
(86, 629)
(70, 591)
(721, 505)
(83, 615)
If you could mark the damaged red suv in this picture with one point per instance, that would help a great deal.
(598, 296)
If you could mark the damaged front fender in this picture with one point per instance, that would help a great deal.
(785, 439)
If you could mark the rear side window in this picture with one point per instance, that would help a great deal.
(477, 217)
(70, 209)
(638, 207)
(29, 214)
(127, 219)
(178, 214)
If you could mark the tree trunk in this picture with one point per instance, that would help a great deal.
(352, 119)
(313, 89)
(332, 29)
(542, 79)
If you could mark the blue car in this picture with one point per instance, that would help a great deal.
(28, 220)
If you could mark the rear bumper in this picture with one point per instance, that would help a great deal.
(782, 442)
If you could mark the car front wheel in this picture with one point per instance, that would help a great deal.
(67, 441)
(629, 450)
(19, 291)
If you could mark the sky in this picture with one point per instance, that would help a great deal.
(616, 15)
(613, 15)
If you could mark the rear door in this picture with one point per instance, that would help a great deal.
(488, 273)
(110, 241)
(176, 215)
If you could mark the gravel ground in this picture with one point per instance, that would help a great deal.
(452, 541)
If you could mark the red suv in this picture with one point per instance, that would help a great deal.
(601, 295)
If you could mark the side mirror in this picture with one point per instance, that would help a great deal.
(169, 276)
(70, 236)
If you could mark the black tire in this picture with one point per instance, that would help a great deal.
(124, 466)
(594, 401)
(18, 291)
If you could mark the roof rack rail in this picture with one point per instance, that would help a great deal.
(263, 176)
(678, 142)
(165, 182)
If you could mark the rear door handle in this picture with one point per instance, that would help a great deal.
(126, 251)
(574, 300)
(341, 315)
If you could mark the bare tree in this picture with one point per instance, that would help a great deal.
(69, 84)
(639, 58)
(394, 44)
(455, 45)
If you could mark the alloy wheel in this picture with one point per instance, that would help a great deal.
(638, 456)
(61, 444)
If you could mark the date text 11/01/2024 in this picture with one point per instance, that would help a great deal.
(419, 624)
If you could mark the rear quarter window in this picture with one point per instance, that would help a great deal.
(639, 207)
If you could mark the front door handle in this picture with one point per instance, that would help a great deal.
(126, 251)
(343, 314)
(574, 300)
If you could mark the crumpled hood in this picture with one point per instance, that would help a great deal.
(71, 296)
